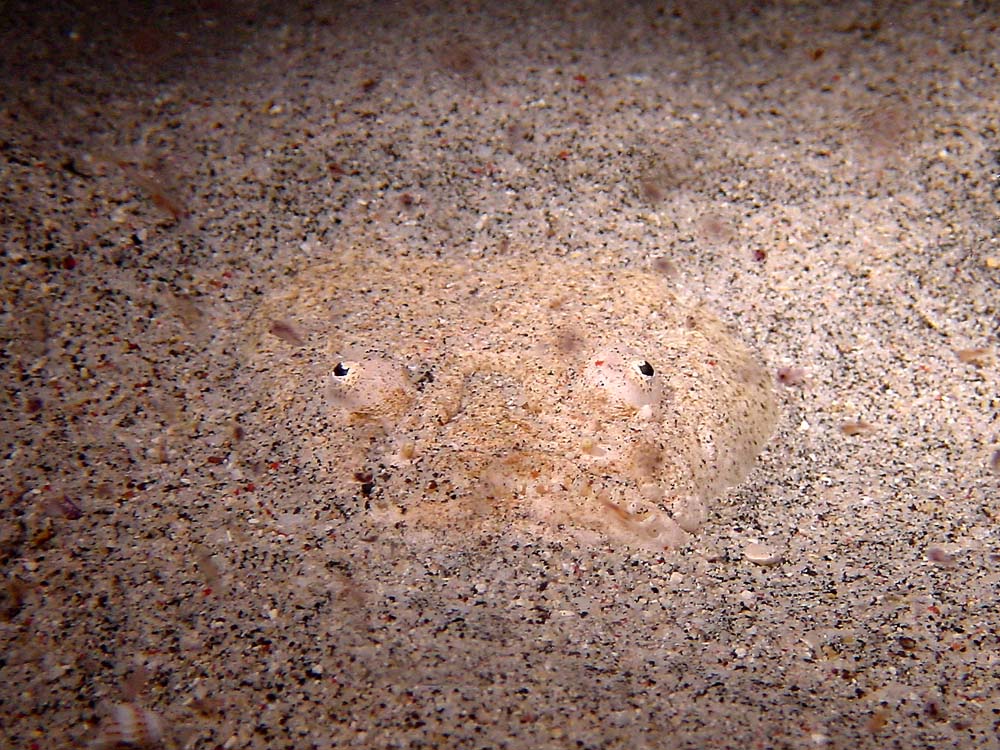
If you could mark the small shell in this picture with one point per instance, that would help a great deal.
(858, 427)
(761, 554)
(286, 332)
(791, 376)
(976, 357)
(62, 506)
(129, 725)
(940, 556)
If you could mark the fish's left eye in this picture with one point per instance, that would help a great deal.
(644, 368)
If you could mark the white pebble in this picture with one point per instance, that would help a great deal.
(761, 554)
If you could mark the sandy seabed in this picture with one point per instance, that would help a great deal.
(827, 179)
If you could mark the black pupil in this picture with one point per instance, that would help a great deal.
(646, 369)
(340, 371)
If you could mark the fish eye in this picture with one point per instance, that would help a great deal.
(644, 368)
(369, 389)
(624, 378)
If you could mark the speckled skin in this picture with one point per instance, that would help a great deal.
(572, 396)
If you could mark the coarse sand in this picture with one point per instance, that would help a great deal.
(182, 571)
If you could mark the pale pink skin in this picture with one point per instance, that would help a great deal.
(558, 396)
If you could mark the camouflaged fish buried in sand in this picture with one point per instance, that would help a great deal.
(564, 396)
